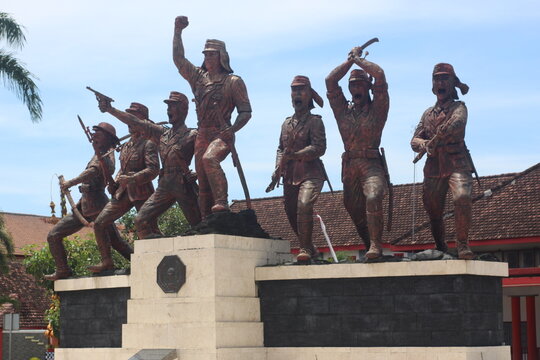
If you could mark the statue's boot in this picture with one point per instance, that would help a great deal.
(119, 244)
(363, 231)
(218, 184)
(375, 228)
(462, 213)
(206, 201)
(307, 249)
(106, 259)
(437, 230)
(58, 252)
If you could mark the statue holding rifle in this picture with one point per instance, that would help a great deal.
(93, 181)
(217, 93)
(301, 144)
(441, 134)
(139, 165)
(364, 173)
(177, 183)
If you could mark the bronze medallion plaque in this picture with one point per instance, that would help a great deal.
(171, 274)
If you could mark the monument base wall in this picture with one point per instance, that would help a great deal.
(217, 315)
(307, 353)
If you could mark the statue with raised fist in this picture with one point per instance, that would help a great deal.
(217, 93)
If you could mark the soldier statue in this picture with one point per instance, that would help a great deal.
(217, 93)
(93, 199)
(361, 123)
(176, 146)
(139, 165)
(441, 134)
(301, 144)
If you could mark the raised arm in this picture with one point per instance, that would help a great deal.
(184, 66)
(381, 100)
(337, 74)
(149, 129)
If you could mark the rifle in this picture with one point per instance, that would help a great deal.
(469, 158)
(100, 96)
(278, 174)
(236, 162)
(434, 141)
(107, 176)
(279, 168)
(390, 191)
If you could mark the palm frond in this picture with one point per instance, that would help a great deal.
(11, 31)
(20, 80)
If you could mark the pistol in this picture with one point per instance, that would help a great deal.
(99, 95)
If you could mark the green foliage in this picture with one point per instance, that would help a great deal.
(6, 246)
(6, 299)
(171, 223)
(13, 73)
(52, 315)
(10, 31)
(81, 254)
(341, 256)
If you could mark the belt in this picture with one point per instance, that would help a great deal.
(362, 153)
(172, 170)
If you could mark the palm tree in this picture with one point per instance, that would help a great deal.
(13, 72)
(6, 246)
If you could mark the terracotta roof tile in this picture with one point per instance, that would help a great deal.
(32, 297)
(512, 211)
(31, 229)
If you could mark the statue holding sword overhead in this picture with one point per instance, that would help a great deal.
(217, 93)
(361, 122)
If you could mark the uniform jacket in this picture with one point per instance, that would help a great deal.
(138, 158)
(449, 155)
(308, 135)
(92, 188)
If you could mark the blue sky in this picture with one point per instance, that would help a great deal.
(123, 49)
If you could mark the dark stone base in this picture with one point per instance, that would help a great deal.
(243, 223)
(93, 318)
(451, 310)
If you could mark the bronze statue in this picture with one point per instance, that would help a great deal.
(139, 165)
(361, 123)
(301, 144)
(92, 201)
(441, 134)
(217, 93)
(176, 147)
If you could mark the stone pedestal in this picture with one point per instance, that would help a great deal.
(217, 313)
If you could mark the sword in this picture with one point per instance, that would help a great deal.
(369, 42)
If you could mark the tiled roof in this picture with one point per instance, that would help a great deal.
(512, 211)
(32, 297)
(30, 229)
